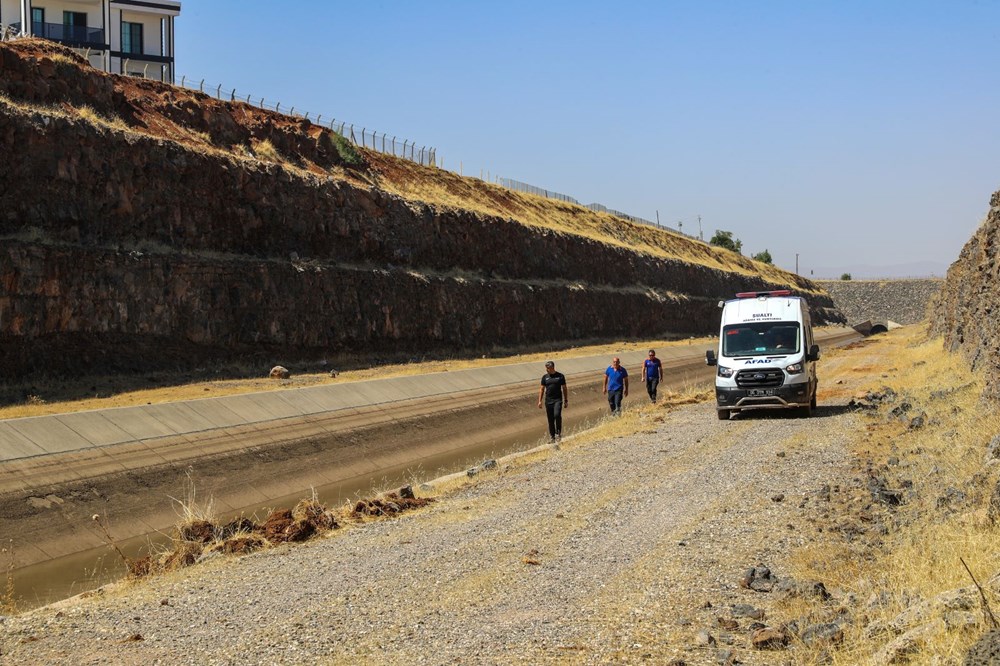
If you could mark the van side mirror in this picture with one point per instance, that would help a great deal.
(710, 358)
(813, 354)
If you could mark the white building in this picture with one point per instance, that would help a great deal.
(133, 37)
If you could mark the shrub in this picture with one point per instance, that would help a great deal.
(724, 239)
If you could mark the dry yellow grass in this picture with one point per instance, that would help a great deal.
(450, 190)
(920, 559)
(265, 150)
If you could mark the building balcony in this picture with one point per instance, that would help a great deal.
(76, 36)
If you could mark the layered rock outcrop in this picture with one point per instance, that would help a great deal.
(879, 301)
(965, 311)
(126, 247)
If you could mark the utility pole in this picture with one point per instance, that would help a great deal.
(657, 218)
(701, 236)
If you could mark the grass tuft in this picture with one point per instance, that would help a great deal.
(265, 150)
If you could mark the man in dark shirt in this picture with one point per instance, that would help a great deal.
(556, 396)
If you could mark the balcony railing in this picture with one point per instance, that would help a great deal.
(71, 35)
(143, 57)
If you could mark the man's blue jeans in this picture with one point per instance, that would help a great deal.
(615, 401)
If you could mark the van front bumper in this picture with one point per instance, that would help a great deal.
(778, 397)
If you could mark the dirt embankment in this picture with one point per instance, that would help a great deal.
(150, 227)
(965, 311)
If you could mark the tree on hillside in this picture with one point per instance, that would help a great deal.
(845, 276)
(763, 257)
(724, 239)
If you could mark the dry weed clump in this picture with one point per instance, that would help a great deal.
(390, 504)
(198, 536)
(265, 150)
(927, 464)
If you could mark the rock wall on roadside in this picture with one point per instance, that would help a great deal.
(880, 301)
(966, 310)
(124, 252)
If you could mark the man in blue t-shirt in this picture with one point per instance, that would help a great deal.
(652, 374)
(615, 385)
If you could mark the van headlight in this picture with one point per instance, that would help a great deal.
(725, 372)
(794, 368)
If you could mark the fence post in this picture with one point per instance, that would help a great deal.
(363, 138)
(383, 142)
(232, 95)
(307, 115)
(292, 112)
(352, 135)
(262, 102)
(182, 80)
(248, 98)
(394, 145)
(201, 86)
(277, 107)
(319, 118)
(218, 91)
(405, 141)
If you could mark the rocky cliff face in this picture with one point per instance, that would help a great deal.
(126, 246)
(966, 310)
(901, 301)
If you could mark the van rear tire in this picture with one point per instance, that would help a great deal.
(723, 414)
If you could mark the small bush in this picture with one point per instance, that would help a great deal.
(346, 150)
(845, 276)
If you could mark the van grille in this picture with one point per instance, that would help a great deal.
(759, 377)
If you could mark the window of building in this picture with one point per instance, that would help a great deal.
(75, 26)
(131, 37)
(38, 21)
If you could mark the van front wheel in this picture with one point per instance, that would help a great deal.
(805, 411)
(723, 414)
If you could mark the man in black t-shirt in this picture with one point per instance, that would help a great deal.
(555, 395)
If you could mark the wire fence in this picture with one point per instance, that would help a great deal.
(359, 136)
(369, 138)
(519, 186)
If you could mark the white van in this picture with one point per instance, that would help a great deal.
(766, 357)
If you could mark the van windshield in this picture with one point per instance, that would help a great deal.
(761, 338)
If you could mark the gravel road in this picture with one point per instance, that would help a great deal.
(630, 549)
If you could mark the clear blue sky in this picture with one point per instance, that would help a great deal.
(850, 132)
